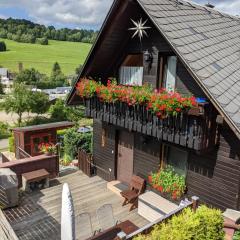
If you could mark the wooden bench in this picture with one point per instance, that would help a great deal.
(35, 176)
(137, 187)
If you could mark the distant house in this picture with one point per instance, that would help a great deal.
(6, 79)
(191, 48)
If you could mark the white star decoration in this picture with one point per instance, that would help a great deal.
(139, 29)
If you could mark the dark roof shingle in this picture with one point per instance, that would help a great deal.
(209, 43)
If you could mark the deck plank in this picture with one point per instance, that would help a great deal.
(38, 216)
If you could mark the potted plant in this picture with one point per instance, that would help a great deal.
(48, 148)
(168, 182)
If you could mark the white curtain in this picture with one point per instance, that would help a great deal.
(171, 73)
(131, 75)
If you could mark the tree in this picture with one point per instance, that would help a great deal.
(60, 112)
(29, 77)
(38, 102)
(18, 101)
(3, 47)
(78, 69)
(57, 77)
(56, 69)
(42, 41)
(1, 87)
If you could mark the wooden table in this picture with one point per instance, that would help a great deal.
(109, 234)
(35, 176)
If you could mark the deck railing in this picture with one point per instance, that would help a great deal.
(85, 161)
(188, 129)
(86, 164)
(23, 154)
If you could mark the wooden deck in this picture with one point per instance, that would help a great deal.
(39, 213)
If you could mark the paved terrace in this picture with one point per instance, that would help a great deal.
(38, 215)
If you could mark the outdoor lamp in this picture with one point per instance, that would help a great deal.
(148, 56)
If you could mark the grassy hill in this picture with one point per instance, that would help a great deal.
(68, 54)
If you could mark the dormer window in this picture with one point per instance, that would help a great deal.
(131, 71)
(167, 73)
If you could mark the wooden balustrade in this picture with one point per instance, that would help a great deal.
(86, 164)
(195, 131)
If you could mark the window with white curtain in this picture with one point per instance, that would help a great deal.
(167, 72)
(131, 70)
(170, 73)
(131, 75)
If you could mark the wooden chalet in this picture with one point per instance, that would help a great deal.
(193, 49)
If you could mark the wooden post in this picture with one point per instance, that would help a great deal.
(121, 236)
(195, 201)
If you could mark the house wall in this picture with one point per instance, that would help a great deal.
(104, 156)
(213, 176)
(157, 45)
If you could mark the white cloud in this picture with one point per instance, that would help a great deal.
(63, 12)
(232, 7)
(3, 16)
(228, 6)
(86, 13)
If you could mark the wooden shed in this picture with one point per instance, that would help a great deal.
(28, 138)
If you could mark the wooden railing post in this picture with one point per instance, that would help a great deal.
(195, 203)
(121, 236)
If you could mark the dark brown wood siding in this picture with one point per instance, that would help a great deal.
(104, 156)
(214, 176)
(146, 155)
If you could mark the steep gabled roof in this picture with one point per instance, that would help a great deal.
(208, 43)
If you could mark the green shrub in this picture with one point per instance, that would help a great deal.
(205, 224)
(4, 130)
(42, 41)
(3, 47)
(236, 235)
(11, 144)
(74, 140)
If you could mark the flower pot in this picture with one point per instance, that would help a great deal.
(150, 179)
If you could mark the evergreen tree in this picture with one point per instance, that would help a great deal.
(3, 47)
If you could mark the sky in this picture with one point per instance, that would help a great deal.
(87, 14)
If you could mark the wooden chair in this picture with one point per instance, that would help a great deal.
(137, 187)
(105, 217)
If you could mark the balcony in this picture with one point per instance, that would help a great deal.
(193, 129)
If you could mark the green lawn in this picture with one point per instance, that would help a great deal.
(68, 54)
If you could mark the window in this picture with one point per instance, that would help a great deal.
(177, 158)
(131, 71)
(167, 73)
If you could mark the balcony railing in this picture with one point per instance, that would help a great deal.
(191, 129)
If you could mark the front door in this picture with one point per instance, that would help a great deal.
(125, 157)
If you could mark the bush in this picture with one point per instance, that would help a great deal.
(74, 140)
(3, 47)
(11, 144)
(205, 224)
(42, 41)
(4, 130)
